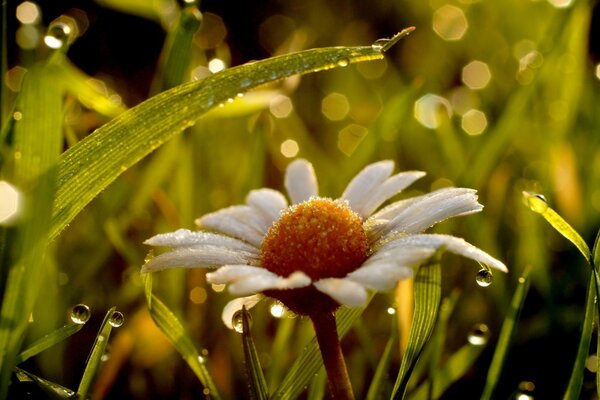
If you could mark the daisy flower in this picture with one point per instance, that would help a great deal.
(319, 253)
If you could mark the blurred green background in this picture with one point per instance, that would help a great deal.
(501, 96)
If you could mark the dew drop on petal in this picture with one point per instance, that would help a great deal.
(116, 319)
(479, 335)
(484, 277)
(80, 314)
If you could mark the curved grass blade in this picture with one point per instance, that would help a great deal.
(576, 380)
(455, 368)
(175, 332)
(48, 341)
(380, 377)
(316, 390)
(95, 357)
(284, 331)
(427, 289)
(506, 333)
(38, 140)
(92, 164)
(53, 390)
(257, 383)
(308, 364)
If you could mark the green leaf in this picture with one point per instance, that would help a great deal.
(95, 357)
(257, 382)
(175, 332)
(576, 380)
(52, 390)
(427, 289)
(380, 377)
(596, 251)
(308, 364)
(38, 140)
(538, 204)
(48, 341)
(316, 390)
(92, 164)
(506, 333)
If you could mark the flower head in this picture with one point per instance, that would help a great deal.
(319, 253)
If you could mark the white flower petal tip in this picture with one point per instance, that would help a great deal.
(301, 181)
(344, 291)
(268, 202)
(237, 304)
(380, 276)
(367, 180)
(237, 221)
(246, 279)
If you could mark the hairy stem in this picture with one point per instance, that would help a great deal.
(329, 344)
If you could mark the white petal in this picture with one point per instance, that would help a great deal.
(203, 256)
(185, 237)
(380, 276)
(446, 242)
(235, 305)
(344, 291)
(237, 221)
(365, 182)
(392, 186)
(433, 208)
(301, 181)
(246, 279)
(268, 203)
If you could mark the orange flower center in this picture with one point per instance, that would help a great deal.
(323, 238)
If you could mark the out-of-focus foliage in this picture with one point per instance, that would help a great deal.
(501, 96)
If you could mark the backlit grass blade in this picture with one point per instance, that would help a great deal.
(427, 287)
(48, 341)
(175, 332)
(90, 166)
(308, 364)
(506, 333)
(283, 334)
(37, 144)
(316, 390)
(257, 382)
(51, 390)
(380, 378)
(596, 251)
(458, 364)
(576, 380)
(95, 358)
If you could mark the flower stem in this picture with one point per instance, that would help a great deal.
(329, 344)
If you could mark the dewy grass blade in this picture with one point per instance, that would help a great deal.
(458, 364)
(90, 166)
(52, 390)
(506, 333)
(308, 364)
(427, 289)
(38, 140)
(48, 341)
(95, 357)
(380, 377)
(175, 332)
(576, 380)
(257, 382)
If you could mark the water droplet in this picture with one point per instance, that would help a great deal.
(230, 100)
(391, 310)
(525, 391)
(57, 35)
(343, 62)
(245, 83)
(521, 279)
(479, 335)
(105, 357)
(484, 277)
(80, 314)
(201, 360)
(277, 309)
(116, 319)
(149, 256)
(238, 321)
(379, 44)
(100, 338)
(536, 202)
(240, 94)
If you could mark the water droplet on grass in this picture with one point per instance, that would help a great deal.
(484, 277)
(116, 319)
(343, 62)
(238, 321)
(80, 314)
(58, 34)
(536, 202)
(479, 335)
(525, 391)
(379, 44)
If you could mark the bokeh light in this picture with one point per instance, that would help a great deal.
(335, 106)
(28, 13)
(289, 148)
(215, 65)
(281, 106)
(450, 22)
(350, 137)
(474, 122)
(560, 3)
(430, 109)
(476, 75)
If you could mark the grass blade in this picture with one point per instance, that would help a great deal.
(380, 377)
(506, 333)
(84, 171)
(95, 357)
(48, 341)
(308, 364)
(51, 390)
(257, 382)
(427, 289)
(175, 332)
(38, 139)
